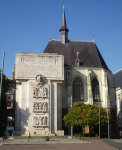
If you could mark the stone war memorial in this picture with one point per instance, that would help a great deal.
(48, 84)
(39, 78)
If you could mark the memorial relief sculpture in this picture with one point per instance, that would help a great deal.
(40, 122)
(39, 107)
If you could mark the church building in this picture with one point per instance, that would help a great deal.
(48, 84)
(118, 84)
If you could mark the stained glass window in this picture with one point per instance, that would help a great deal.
(95, 90)
(78, 91)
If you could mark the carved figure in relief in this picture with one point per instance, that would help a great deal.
(40, 92)
(40, 121)
(44, 92)
(40, 106)
(40, 79)
(35, 121)
(45, 106)
(45, 121)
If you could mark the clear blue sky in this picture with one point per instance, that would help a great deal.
(28, 25)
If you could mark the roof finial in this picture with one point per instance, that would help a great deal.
(63, 4)
(93, 39)
(77, 54)
(77, 60)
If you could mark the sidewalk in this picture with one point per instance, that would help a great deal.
(56, 144)
(41, 140)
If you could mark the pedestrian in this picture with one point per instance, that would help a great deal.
(28, 135)
(46, 136)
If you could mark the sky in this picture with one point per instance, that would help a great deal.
(28, 25)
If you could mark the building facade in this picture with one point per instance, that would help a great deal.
(118, 84)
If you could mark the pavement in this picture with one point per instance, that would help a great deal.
(60, 143)
(41, 140)
(115, 143)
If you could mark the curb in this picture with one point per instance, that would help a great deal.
(43, 143)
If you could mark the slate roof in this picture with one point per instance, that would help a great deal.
(118, 78)
(89, 54)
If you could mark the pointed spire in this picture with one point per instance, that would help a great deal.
(63, 25)
(64, 30)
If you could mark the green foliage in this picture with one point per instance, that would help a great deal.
(84, 134)
(103, 135)
(3, 108)
(85, 114)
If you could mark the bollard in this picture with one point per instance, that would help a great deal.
(3, 138)
(83, 136)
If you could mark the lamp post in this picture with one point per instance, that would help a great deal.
(120, 106)
(120, 117)
(1, 77)
(107, 113)
(99, 116)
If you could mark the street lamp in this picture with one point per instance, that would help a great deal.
(1, 77)
(120, 107)
(107, 112)
(99, 115)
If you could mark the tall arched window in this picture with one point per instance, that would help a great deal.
(108, 89)
(78, 93)
(108, 93)
(95, 90)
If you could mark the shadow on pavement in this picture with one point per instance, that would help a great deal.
(117, 145)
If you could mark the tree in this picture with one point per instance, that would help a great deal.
(85, 114)
(3, 108)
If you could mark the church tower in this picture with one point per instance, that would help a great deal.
(64, 30)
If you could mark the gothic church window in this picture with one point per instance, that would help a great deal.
(78, 91)
(95, 90)
(108, 89)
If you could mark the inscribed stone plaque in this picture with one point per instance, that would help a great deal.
(28, 65)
